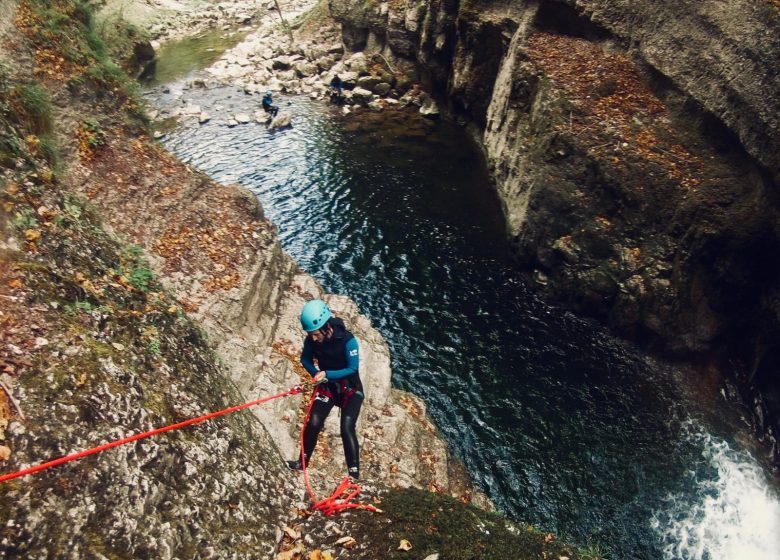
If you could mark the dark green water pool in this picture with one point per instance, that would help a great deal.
(562, 425)
(180, 59)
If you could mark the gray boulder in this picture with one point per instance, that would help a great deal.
(282, 120)
(368, 82)
(281, 63)
(360, 94)
(382, 88)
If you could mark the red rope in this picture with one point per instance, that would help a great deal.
(342, 497)
(293, 391)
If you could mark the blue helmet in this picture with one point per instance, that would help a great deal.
(314, 315)
(268, 93)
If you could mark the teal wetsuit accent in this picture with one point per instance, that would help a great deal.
(350, 354)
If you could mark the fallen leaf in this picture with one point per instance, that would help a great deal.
(173, 309)
(15, 284)
(5, 452)
(8, 206)
(292, 554)
(32, 235)
(315, 555)
(81, 380)
(347, 542)
(549, 537)
(292, 533)
(404, 545)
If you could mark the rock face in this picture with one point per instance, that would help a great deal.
(722, 54)
(635, 147)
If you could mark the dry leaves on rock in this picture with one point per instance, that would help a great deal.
(410, 406)
(347, 542)
(292, 534)
(612, 105)
(295, 553)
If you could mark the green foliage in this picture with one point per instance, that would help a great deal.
(136, 269)
(152, 337)
(594, 551)
(106, 73)
(23, 109)
(31, 107)
(140, 278)
(435, 523)
(84, 306)
(120, 37)
(25, 219)
(67, 27)
(73, 208)
(50, 151)
(96, 136)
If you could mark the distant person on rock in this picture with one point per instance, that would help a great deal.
(330, 353)
(268, 105)
(335, 88)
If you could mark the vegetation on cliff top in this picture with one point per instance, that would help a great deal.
(612, 105)
(69, 49)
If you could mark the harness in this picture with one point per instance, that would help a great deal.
(343, 391)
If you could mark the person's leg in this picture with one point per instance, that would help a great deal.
(349, 416)
(322, 406)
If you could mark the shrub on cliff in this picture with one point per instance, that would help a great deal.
(70, 49)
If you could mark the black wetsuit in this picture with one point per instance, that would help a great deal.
(338, 357)
(269, 107)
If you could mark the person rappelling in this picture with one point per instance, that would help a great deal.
(268, 106)
(330, 355)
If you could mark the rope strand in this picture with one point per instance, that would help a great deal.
(74, 456)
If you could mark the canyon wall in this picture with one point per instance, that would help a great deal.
(635, 148)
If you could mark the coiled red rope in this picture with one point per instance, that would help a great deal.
(293, 391)
(345, 492)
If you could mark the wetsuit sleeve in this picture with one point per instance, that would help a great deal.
(307, 358)
(353, 360)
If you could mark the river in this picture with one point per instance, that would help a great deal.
(562, 425)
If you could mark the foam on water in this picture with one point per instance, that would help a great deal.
(736, 515)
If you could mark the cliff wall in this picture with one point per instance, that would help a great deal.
(635, 148)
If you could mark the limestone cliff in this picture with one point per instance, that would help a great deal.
(635, 148)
